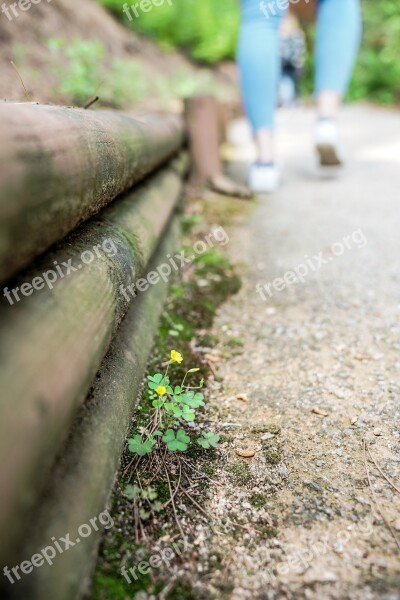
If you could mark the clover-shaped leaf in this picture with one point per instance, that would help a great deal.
(149, 493)
(188, 414)
(208, 440)
(137, 446)
(192, 399)
(132, 492)
(177, 412)
(178, 441)
(158, 402)
(155, 380)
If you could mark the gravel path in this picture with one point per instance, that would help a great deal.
(317, 370)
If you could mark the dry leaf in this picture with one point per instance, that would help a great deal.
(242, 397)
(321, 413)
(245, 453)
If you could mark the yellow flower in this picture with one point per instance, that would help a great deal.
(161, 390)
(176, 356)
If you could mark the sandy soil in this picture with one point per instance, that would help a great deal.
(318, 366)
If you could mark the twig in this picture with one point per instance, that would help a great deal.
(388, 525)
(135, 513)
(90, 103)
(27, 94)
(195, 503)
(201, 473)
(177, 487)
(382, 472)
(173, 502)
(246, 528)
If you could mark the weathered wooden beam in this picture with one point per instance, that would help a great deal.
(81, 481)
(52, 342)
(59, 166)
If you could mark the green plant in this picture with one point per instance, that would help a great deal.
(172, 406)
(206, 29)
(77, 66)
(145, 499)
(208, 440)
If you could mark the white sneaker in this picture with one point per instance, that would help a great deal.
(327, 143)
(264, 178)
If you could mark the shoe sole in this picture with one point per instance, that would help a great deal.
(328, 155)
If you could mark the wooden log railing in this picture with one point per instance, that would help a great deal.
(62, 427)
(60, 165)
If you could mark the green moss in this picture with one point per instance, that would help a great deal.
(209, 469)
(182, 590)
(388, 583)
(226, 438)
(234, 342)
(107, 586)
(267, 428)
(162, 489)
(257, 500)
(268, 532)
(273, 457)
(208, 340)
(240, 473)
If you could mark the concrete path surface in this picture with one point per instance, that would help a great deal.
(319, 373)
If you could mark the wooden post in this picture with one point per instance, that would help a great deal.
(204, 131)
(205, 125)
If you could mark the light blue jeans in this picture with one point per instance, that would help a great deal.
(338, 39)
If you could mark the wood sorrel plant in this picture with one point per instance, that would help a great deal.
(173, 406)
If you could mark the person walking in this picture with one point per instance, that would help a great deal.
(337, 42)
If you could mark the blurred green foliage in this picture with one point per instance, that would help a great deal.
(207, 30)
(377, 75)
(81, 71)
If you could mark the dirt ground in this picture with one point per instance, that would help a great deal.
(303, 498)
(315, 374)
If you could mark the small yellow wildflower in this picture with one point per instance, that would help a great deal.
(176, 356)
(161, 390)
